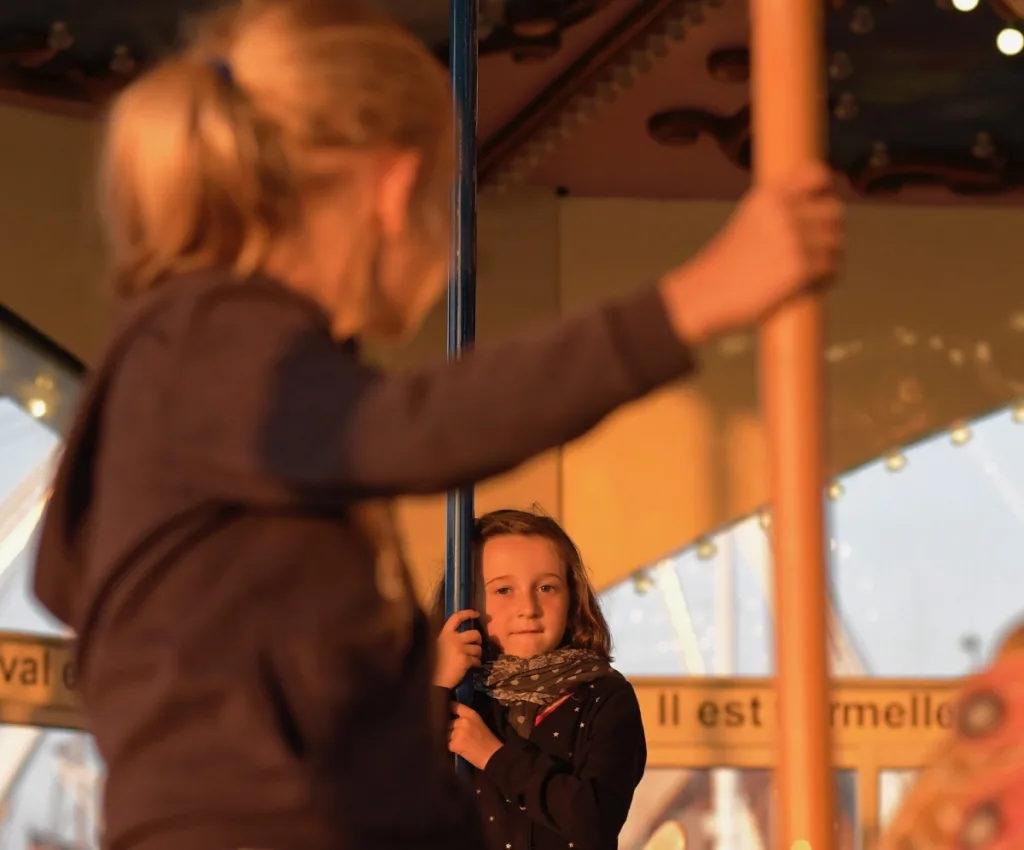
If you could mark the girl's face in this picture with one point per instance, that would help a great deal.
(379, 270)
(525, 595)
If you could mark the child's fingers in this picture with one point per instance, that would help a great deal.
(460, 617)
(473, 650)
(470, 636)
(460, 710)
(814, 178)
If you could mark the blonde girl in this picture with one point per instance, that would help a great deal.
(253, 665)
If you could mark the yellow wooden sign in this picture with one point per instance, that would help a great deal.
(37, 686)
(691, 722)
(713, 722)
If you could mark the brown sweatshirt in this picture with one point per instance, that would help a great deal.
(202, 542)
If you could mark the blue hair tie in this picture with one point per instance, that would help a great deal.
(220, 66)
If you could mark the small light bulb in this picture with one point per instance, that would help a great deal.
(642, 582)
(835, 491)
(863, 21)
(1018, 413)
(879, 155)
(60, 37)
(965, 5)
(706, 550)
(1010, 42)
(895, 462)
(37, 408)
(122, 62)
(764, 519)
(960, 435)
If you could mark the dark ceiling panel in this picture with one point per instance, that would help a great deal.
(921, 93)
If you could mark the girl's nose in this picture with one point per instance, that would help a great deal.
(531, 607)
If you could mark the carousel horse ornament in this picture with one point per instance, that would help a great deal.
(971, 796)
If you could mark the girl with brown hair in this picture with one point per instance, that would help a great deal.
(554, 733)
(251, 659)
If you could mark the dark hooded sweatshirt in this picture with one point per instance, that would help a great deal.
(248, 668)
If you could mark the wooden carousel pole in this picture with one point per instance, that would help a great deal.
(788, 131)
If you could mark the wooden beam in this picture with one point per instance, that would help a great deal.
(50, 105)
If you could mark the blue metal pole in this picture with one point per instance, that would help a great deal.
(462, 297)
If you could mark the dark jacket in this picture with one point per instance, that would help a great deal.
(245, 673)
(571, 784)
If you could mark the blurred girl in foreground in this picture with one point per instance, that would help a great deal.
(252, 661)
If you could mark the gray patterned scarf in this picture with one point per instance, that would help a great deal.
(525, 686)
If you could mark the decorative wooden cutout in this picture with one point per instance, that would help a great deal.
(532, 29)
(981, 170)
(963, 174)
(25, 50)
(730, 65)
(683, 127)
(35, 63)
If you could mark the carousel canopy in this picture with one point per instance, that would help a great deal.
(637, 98)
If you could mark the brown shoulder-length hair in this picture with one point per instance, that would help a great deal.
(586, 627)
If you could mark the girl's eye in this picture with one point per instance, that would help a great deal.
(548, 588)
(503, 591)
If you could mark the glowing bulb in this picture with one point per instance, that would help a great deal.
(706, 550)
(1018, 412)
(961, 435)
(835, 490)
(60, 38)
(965, 5)
(37, 408)
(1010, 42)
(642, 582)
(895, 462)
(122, 62)
(764, 519)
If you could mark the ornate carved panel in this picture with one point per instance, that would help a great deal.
(918, 94)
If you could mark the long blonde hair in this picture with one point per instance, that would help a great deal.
(206, 155)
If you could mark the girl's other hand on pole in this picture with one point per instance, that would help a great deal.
(469, 737)
(457, 652)
(782, 240)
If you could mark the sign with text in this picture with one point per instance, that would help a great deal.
(712, 722)
(37, 686)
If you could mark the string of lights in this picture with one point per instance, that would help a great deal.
(1009, 40)
(705, 548)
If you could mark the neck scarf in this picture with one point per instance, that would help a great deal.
(525, 686)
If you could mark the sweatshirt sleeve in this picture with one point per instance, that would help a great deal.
(440, 710)
(267, 406)
(588, 804)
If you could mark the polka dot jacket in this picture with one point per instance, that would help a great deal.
(570, 785)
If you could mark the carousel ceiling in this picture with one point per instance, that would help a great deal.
(641, 98)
